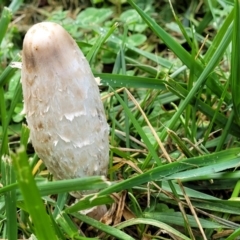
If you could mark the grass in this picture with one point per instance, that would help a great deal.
(170, 87)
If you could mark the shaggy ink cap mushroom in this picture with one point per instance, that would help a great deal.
(64, 112)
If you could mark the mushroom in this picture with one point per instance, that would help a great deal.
(64, 112)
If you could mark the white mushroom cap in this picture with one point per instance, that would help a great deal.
(63, 107)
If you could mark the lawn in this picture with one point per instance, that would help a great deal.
(169, 75)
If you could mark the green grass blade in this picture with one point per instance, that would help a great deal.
(89, 202)
(107, 229)
(221, 34)
(25, 132)
(200, 82)
(8, 73)
(67, 225)
(234, 235)
(155, 58)
(225, 132)
(205, 21)
(96, 47)
(221, 206)
(180, 144)
(140, 131)
(8, 177)
(42, 224)
(15, 5)
(182, 54)
(152, 222)
(78, 184)
(235, 63)
(6, 117)
(60, 204)
(206, 170)
(4, 21)
(219, 118)
(115, 80)
(57, 228)
(4, 145)
(190, 192)
(162, 172)
(177, 218)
